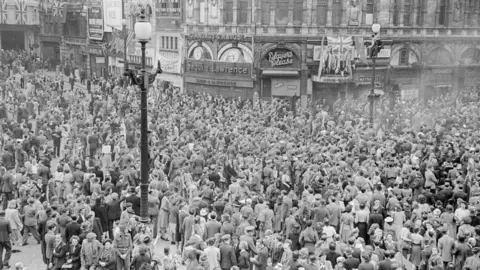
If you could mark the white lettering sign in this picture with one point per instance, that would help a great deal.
(280, 59)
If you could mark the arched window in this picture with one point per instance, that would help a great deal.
(322, 12)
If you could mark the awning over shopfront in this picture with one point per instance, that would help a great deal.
(279, 73)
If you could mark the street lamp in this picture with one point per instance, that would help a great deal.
(143, 31)
(377, 46)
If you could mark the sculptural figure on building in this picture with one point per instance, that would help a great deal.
(190, 9)
(214, 9)
(458, 11)
(354, 13)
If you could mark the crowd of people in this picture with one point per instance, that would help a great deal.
(234, 184)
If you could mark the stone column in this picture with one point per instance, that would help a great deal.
(307, 13)
(249, 14)
(401, 9)
(414, 12)
(330, 13)
(273, 4)
(235, 12)
(290, 12)
(344, 21)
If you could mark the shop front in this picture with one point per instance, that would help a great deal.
(439, 81)
(98, 65)
(363, 82)
(75, 51)
(219, 78)
(407, 80)
(280, 74)
(50, 49)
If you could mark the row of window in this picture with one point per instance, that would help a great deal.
(401, 9)
(169, 43)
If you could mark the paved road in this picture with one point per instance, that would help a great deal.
(31, 255)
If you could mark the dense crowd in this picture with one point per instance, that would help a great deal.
(234, 184)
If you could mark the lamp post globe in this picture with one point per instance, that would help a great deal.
(143, 29)
(376, 27)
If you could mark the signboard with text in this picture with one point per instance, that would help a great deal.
(280, 58)
(219, 82)
(218, 69)
(95, 20)
(170, 7)
(112, 13)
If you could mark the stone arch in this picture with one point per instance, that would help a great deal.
(196, 44)
(397, 50)
(440, 56)
(244, 47)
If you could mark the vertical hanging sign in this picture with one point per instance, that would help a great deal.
(95, 20)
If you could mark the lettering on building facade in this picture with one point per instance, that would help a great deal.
(280, 59)
(212, 67)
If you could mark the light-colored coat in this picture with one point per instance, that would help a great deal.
(13, 216)
(445, 246)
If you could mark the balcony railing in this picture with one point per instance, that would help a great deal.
(291, 30)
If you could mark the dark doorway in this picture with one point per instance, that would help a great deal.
(13, 40)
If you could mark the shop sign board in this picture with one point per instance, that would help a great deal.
(219, 82)
(95, 20)
(218, 68)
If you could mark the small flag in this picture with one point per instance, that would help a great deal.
(360, 48)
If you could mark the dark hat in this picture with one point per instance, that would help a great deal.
(108, 240)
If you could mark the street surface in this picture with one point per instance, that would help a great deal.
(31, 255)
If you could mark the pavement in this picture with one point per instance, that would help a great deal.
(31, 255)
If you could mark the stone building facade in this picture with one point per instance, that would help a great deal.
(431, 46)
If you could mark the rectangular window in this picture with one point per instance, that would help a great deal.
(281, 12)
(322, 12)
(420, 12)
(163, 42)
(337, 12)
(470, 13)
(176, 43)
(202, 11)
(242, 11)
(171, 43)
(403, 61)
(266, 12)
(396, 11)
(297, 12)
(407, 10)
(369, 7)
(228, 8)
(442, 18)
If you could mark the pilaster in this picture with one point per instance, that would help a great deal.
(290, 12)
(330, 13)
(235, 12)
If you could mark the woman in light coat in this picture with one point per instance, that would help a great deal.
(12, 215)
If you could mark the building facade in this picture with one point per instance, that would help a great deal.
(318, 47)
(169, 16)
(19, 25)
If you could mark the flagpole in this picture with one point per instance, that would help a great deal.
(125, 37)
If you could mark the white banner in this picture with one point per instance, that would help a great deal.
(112, 14)
(170, 61)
